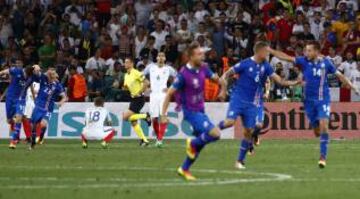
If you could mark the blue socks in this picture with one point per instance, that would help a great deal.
(244, 147)
(198, 143)
(187, 164)
(324, 141)
(16, 133)
(202, 140)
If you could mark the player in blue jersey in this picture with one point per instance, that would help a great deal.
(20, 80)
(50, 90)
(247, 94)
(189, 86)
(315, 69)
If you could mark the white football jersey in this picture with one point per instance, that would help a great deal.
(95, 117)
(355, 78)
(159, 76)
(30, 100)
(29, 94)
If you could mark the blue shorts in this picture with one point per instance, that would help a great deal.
(199, 121)
(247, 111)
(10, 106)
(317, 110)
(15, 107)
(20, 107)
(260, 114)
(40, 114)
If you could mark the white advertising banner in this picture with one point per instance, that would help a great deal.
(67, 122)
(335, 94)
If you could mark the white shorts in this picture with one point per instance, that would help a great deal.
(97, 134)
(156, 104)
(29, 107)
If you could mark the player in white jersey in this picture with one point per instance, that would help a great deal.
(29, 107)
(159, 74)
(97, 124)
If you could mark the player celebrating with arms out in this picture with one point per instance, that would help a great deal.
(247, 94)
(50, 90)
(315, 69)
(20, 80)
(135, 83)
(97, 124)
(159, 75)
(189, 84)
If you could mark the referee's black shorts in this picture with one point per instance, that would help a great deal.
(136, 104)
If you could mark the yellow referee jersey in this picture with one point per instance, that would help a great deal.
(134, 82)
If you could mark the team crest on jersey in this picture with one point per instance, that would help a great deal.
(250, 69)
(196, 83)
(176, 80)
(206, 124)
(322, 65)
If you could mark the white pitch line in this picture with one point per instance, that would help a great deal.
(271, 177)
(326, 179)
(102, 179)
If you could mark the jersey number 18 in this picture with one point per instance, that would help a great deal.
(94, 116)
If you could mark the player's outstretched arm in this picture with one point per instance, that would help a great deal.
(281, 55)
(146, 85)
(223, 81)
(347, 82)
(277, 79)
(170, 92)
(267, 89)
(215, 78)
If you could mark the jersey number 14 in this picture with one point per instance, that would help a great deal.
(317, 72)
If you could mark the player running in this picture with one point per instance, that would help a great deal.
(189, 85)
(247, 94)
(97, 124)
(315, 69)
(135, 83)
(50, 90)
(159, 75)
(20, 80)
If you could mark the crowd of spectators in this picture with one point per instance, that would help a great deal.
(87, 40)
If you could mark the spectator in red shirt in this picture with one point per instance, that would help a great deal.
(103, 11)
(284, 28)
(352, 38)
(77, 89)
(266, 11)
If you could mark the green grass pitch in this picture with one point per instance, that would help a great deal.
(279, 169)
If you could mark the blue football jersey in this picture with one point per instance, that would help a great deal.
(18, 83)
(249, 87)
(48, 93)
(315, 76)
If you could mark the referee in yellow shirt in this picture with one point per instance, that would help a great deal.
(135, 83)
